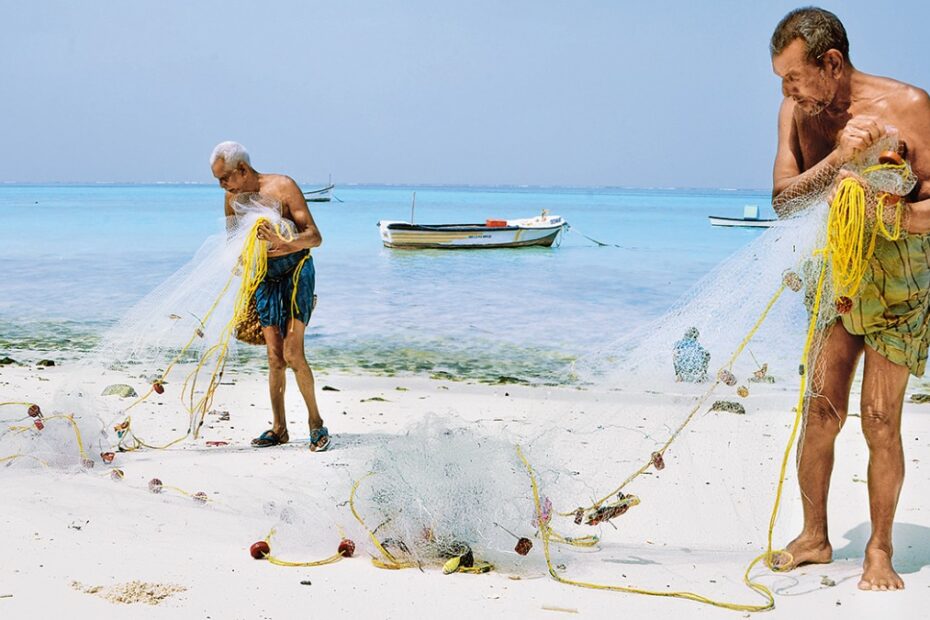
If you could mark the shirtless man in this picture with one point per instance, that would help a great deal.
(830, 113)
(288, 261)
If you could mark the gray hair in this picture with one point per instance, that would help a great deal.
(232, 154)
(820, 30)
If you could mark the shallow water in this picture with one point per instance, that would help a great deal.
(77, 257)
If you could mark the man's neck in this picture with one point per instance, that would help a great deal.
(253, 182)
(845, 94)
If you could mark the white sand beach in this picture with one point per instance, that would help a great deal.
(66, 534)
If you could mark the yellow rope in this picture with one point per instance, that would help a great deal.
(295, 308)
(694, 410)
(389, 561)
(279, 562)
(545, 533)
(254, 266)
(846, 231)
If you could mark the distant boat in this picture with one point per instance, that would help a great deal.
(750, 219)
(541, 230)
(324, 194)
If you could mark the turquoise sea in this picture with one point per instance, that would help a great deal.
(75, 257)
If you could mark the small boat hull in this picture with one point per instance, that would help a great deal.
(324, 194)
(516, 234)
(740, 222)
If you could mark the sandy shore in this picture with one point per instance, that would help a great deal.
(696, 531)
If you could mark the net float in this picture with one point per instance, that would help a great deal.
(523, 546)
(159, 387)
(792, 280)
(346, 548)
(890, 158)
(107, 457)
(727, 377)
(259, 550)
(200, 497)
(889, 200)
(34, 411)
(844, 305)
(155, 485)
(657, 461)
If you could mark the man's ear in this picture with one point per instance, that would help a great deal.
(833, 61)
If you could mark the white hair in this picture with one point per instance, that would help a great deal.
(232, 154)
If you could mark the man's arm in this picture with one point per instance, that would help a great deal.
(788, 181)
(308, 235)
(790, 184)
(918, 151)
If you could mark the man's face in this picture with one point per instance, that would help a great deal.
(811, 87)
(230, 180)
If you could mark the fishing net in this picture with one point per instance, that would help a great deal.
(443, 491)
(746, 339)
(175, 342)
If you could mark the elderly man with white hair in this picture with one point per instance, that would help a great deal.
(289, 265)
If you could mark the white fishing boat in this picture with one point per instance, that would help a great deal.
(324, 194)
(542, 230)
(750, 219)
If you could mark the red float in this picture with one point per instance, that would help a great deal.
(259, 550)
(346, 547)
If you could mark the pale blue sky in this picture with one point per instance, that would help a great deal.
(415, 91)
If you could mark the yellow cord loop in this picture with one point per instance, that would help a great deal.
(279, 562)
(389, 561)
(849, 243)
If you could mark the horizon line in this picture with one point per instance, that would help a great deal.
(302, 184)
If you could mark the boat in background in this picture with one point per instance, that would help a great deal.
(750, 219)
(542, 230)
(324, 194)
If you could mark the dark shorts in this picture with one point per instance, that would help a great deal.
(274, 298)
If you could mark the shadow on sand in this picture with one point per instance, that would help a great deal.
(911, 546)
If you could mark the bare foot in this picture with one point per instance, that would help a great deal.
(877, 572)
(804, 549)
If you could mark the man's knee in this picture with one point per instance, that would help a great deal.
(294, 357)
(823, 417)
(879, 427)
(276, 360)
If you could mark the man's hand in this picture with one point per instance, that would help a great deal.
(276, 244)
(860, 133)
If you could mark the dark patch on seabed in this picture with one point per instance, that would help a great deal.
(483, 362)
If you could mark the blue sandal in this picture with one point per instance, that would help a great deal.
(319, 439)
(269, 438)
